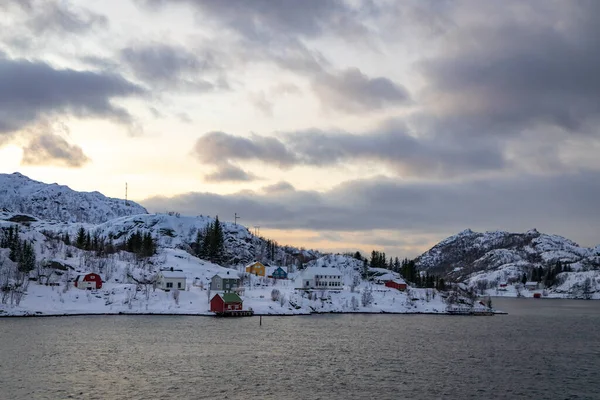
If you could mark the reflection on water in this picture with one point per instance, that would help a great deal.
(544, 349)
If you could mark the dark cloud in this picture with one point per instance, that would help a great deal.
(219, 147)
(392, 145)
(518, 73)
(260, 20)
(229, 173)
(515, 203)
(170, 67)
(51, 149)
(30, 90)
(351, 90)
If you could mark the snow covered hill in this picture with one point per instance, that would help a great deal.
(56, 202)
(486, 259)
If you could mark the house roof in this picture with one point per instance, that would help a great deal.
(228, 297)
(310, 272)
(253, 263)
(83, 275)
(398, 280)
(173, 274)
(225, 275)
(531, 283)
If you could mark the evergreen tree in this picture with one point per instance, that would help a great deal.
(80, 239)
(67, 239)
(524, 279)
(27, 260)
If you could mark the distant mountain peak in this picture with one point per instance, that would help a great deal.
(20, 194)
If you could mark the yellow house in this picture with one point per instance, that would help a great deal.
(256, 268)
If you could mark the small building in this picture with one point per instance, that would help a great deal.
(171, 279)
(223, 302)
(321, 278)
(279, 273)
(396, 284)
(88, 281)
(224, 281)
(531, 285)
(537, 295)
(256, 268)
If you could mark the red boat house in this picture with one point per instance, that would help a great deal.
(224, 302)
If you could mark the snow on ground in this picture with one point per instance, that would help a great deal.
(120, 295)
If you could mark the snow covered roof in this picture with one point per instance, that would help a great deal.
(531, 283)
(253, 263)
(325, 271)
(226, 275)
(398, 280)
(173, 274)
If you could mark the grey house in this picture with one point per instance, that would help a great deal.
(225, 281)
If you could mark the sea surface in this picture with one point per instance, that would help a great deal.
(543, 349)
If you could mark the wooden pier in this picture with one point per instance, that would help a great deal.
(235, 313)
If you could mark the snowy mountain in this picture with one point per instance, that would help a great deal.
(485, 259)
(56, 202)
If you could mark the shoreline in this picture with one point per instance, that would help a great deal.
(41, 315)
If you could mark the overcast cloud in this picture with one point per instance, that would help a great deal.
(340, 117)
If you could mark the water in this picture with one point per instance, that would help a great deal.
(544, 349)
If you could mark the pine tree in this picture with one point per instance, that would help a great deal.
(27, 261)
(524, 279)
(81, 237)
(67, 239)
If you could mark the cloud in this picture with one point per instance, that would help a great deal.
(170, 67)
(391, 145)
(51, 149)
(219, 147)
(229, 173)
(30, 90)
(438, 208)
(351, 91)
(261, 103)
(278, 187)
(62, 17)
(260, 20)
(532, 66)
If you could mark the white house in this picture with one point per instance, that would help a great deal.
(168, 280)
(320, 278)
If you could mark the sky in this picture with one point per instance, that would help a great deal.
(336, 125)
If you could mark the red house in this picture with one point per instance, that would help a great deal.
(88, 281)
(225, 302)
(396, 284)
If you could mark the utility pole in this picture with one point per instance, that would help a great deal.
(126, 202)
(256, 230)
(236, 217)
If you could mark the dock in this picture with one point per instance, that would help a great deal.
(235, 313)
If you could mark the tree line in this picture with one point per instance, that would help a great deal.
(406, 268)
(22, 251)
(210, 242)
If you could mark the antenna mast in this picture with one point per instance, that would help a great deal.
(235, 218)
(126, 202)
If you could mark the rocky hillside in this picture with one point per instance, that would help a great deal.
(20, 194)
(468, 254)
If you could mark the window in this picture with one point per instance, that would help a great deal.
(169, 284)
(227, 286)
(178, 285)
